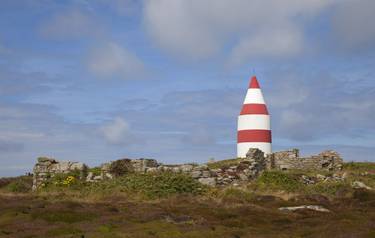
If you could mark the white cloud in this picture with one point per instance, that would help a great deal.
(200, 29)
(111, 59)
(116, 131)
(279, 42)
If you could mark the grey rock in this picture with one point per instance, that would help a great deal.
(196, 174)
(359, 184)
(206, 174)
(208, 181)
(89, 177)
(310, 207)
(186, 168)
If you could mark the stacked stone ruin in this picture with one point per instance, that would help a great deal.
(245, 169)
(46, 168)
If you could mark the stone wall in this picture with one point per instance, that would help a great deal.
(243, 170)
(285, 160)
(46, 168)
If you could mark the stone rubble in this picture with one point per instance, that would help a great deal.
(245, 169)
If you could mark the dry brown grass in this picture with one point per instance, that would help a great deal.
(231, 214)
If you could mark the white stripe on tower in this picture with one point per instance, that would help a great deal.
(254, 130)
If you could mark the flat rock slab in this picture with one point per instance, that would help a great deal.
(310, 207)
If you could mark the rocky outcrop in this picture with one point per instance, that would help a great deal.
(46, 168)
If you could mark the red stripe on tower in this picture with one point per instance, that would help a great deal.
(253, 108)
(254, 130)
(254, 136)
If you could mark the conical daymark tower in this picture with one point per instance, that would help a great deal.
(254, 127)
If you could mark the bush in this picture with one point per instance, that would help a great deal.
(161, 184)
(150, 185)
(278, 180)
(121, 167)
(21, 184)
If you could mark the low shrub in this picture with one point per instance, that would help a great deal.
(161, 184)
(151, 185)
(278, 180)
(121, 167)
(21, 184)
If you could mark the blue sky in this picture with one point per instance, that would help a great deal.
(100, 80)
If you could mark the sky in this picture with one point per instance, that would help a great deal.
(96, 80)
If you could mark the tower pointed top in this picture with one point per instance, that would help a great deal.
(254, 82)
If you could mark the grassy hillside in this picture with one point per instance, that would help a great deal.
(175, 205)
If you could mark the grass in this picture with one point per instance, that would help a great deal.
(278, 180)
(65, 216)
(20, 184)
(145, 186)
(224, 163)
(64, 231)
(359, 166)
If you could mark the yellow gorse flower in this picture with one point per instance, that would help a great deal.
(68, 180)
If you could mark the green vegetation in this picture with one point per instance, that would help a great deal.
(224, 163)
(149, 185)
(160, 205)
(63, 231)
(20, 184)
(121, 167)
(95, 170)
(359, 166)
(279, 180)
(152, 185)
(65, 216)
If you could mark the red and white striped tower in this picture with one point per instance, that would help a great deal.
(254, 130)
